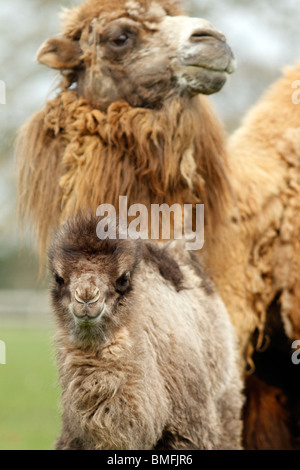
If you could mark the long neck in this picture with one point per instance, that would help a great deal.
(73, 157)
(172, 155)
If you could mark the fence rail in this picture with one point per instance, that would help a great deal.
(25, 307)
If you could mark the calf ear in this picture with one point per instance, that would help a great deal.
(60, 53)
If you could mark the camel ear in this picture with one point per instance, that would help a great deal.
(60, 53)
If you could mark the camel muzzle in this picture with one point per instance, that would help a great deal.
(204, 59)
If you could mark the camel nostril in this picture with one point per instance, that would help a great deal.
(201, 34)
(87, 298)
(78, 298)
(96, 297)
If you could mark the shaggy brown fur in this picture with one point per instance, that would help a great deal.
(173, 152)
(70, 151)
(260, 250)
(267, 417)
(259, 254)
(150, 364)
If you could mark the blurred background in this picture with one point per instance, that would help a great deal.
(264, 37)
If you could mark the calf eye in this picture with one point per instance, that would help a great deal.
(123, 283)
(59, 280)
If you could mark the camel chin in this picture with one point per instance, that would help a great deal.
(195, 80)
(205, 70)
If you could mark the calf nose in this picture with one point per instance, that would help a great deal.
(200, 34)
(87, 296)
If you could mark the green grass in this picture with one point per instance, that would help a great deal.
(29, 395)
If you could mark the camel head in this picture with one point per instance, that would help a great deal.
(91, 280)
(141, 51)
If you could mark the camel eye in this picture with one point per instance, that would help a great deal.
(123, 283)
(119, 41)
(59, 280)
